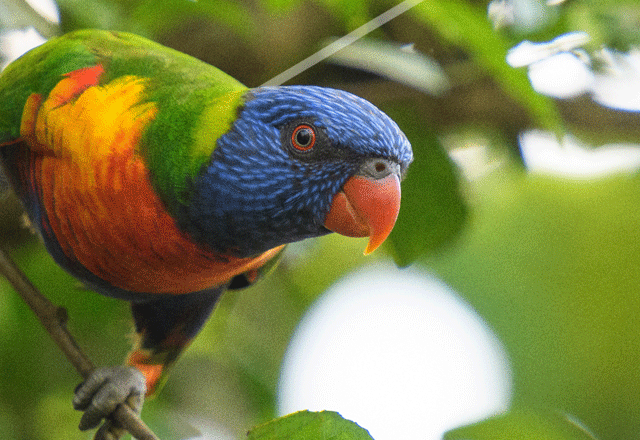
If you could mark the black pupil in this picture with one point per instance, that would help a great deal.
(304, 137)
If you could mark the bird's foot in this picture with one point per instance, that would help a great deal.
(100, 394)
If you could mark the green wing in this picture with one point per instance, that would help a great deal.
(196, 102)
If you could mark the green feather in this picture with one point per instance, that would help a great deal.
(38, 71)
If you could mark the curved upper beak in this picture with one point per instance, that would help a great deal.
(366, 207)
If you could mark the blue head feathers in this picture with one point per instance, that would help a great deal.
(265, 186)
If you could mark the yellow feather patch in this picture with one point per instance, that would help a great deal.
(101, 122)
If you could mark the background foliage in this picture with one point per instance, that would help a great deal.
(550, 263)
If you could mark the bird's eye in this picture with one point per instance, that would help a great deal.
(303, 137)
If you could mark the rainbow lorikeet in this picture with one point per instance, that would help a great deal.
(158, 179)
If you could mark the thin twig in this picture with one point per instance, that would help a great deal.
(54, 320)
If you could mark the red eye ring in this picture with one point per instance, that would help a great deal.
(303, 137)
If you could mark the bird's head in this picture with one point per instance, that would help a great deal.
(299, 162)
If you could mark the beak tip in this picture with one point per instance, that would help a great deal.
(366, 207)
(372, 246)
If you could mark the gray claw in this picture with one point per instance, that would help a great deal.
(106, 388)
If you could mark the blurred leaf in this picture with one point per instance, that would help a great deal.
(280, 6)
(523, 425)
(391, 61)
(467, 26)
(167, 423)
(352, 13)
(54, 418)
(432, 210)
(8, 423)
(159, 17)
(305, 425)
(151, 18)
(611, 23)
(552, 265)
(16, 14)
(96, 14)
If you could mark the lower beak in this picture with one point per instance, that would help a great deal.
(366, 207)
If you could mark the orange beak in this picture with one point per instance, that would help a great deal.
(366, 207)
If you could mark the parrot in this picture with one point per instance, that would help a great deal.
(158, 179)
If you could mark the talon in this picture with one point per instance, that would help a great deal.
(105, 389)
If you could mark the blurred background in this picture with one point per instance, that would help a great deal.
(506, 303)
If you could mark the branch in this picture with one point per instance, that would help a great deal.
(54, 320)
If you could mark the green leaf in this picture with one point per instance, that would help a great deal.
(523, 425)
(467, 26)
(389, 60)
(306, 425)
(551, 264)
(432, 210)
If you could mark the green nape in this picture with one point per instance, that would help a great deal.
(214, 121)
(181, 139)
